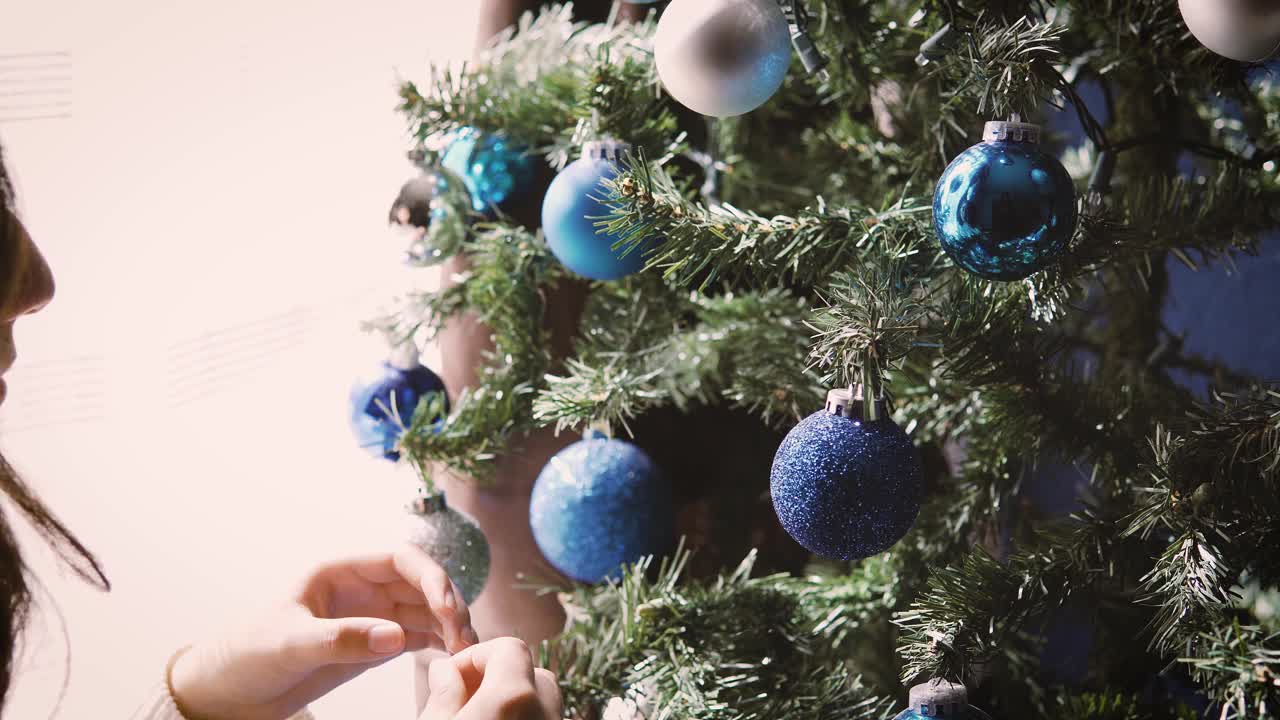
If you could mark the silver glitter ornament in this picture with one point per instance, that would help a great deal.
(454, 541)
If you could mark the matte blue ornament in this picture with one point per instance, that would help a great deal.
(496, 171)
(845, 487)
(382, 406)
(600, 504)
(940, 699)
(571, 209)
(1004, 209)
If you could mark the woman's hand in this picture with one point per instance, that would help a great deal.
(495, 680)
(345, 618)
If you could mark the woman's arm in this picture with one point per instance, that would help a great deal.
(344, 618)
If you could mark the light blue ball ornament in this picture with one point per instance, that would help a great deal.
(571, 208)
(598, 505)
(497, 172)
(722, 57)
(1004, 208)
(382, 405)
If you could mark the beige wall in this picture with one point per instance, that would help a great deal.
(212, 198)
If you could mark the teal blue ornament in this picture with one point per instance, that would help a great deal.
(940, 699)
(573, 206)
(498, 173)
(382, 405)
(598, 505)
(845, 486)
(1005, 209)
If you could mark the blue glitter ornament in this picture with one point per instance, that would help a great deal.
(497, 172)
(600, 504)
(1004, 209)
(571, 209)
(382, 406)
(940, 699)
(722, 57)
(845, 487)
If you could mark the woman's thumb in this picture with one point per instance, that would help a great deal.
(448, 691)
(347, 640)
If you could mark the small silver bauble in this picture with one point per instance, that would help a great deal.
(454, 541)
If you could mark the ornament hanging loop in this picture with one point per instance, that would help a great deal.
(811, 57)
(937, 46)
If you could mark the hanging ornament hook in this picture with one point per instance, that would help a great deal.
(815, 63)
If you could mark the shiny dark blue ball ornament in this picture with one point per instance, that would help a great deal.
(844, 487)
(383, 404)
(497, 172)
(571, 209)
(600, 504)
(1005, 209)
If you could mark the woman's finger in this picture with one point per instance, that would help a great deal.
(316, 642)
(548, 693)
(503, 658)
(416, 567)
(448, 691)
(415, 641)
(508, 689)
(418, 618)
(403, 593)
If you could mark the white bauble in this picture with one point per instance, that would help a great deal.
(722, 57)
(1245, 30)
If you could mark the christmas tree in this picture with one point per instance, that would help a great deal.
(982, 322)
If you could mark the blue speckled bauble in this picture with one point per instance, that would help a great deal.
(600, 504)
(570, 210)
(844, 487)
(722, 57)
(1004, 209)
(496, 171)
(382, 405)
(940, 699)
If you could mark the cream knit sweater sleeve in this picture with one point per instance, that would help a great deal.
(159, 705)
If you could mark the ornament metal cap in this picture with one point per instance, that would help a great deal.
(840, 400)
(849, 402)
(605, 149)
(428, 504)
(1011, 131)
(939, 698)
(404, 356)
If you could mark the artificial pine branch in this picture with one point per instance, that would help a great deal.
(836, 264)
(509, 270)
(684, 647)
